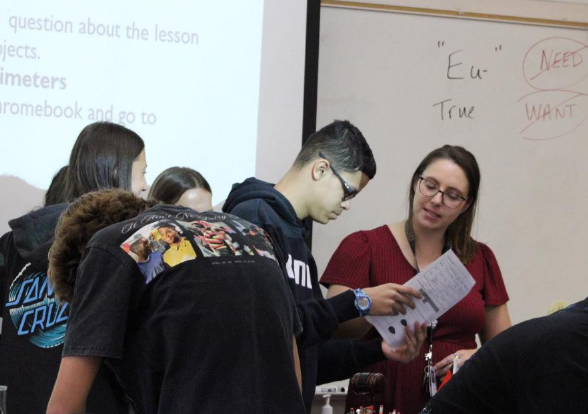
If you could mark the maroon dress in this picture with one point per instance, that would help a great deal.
(371, 258)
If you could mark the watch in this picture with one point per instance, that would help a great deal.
(363, 303)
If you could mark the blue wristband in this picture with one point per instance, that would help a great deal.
(363, 303)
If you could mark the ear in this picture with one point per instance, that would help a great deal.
(466, 206)
(319, 169)
(363, 181)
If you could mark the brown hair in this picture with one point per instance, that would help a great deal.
(458, 233)
(102, 157)
(169, 186)
(82, 219)
(56, 192)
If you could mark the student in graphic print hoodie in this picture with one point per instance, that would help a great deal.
(334, 164)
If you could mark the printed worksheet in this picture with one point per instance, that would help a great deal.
(444, 283)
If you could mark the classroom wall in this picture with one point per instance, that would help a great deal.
(282, 92)
(384, 71)
(388, 73)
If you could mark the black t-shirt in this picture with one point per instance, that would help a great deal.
(193, 329)
(538, 366)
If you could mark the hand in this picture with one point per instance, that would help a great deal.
(446, 363)
(391, 299)
(411, 349)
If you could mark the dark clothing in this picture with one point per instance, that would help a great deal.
(341, 359)
(209, 334)
(260, 203)
(33, 322)
(152, 266)
(538, 366)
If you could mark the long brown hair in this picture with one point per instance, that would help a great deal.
(458, 234)
(82, 219)
(102, 157)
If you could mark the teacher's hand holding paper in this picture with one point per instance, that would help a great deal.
(444, 283)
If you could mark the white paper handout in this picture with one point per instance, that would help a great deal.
(444, 283)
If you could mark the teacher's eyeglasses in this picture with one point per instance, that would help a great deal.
(349, 191)
(430, 188)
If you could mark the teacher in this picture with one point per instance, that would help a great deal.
(443, 197)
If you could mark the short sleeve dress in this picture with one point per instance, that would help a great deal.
(371, 258)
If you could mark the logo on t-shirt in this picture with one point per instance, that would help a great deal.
(34, 310)
(164, 244)
(299, 271)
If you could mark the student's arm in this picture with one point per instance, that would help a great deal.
(96, 325)
(5, 241)
(340, 359)
(350, 267)
(319, 317)
(297, 363)
(387, 299)
(74, 380)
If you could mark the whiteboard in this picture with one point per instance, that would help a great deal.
(516, 95)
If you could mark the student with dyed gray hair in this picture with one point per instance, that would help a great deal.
(333, 166)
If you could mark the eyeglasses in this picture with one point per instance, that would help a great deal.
(430, 188)
(349, 191)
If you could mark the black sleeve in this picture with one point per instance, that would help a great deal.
(99, 310)
(537, 366)
(556, 348)
(296, 322)
(560, 392)
(5, 242)
(320, 317)
(486, 382)
(341, 359)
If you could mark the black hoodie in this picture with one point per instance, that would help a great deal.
(33, 322)
(260, 203)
